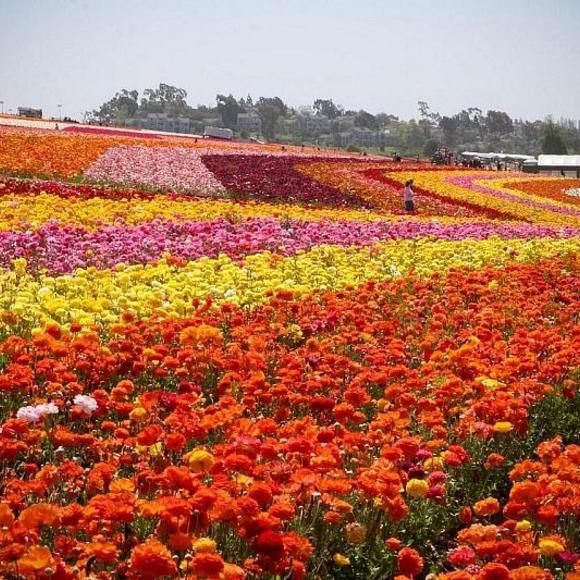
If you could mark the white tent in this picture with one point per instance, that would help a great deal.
(501, 156)
(559, 162)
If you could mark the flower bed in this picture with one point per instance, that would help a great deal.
(371, 414)
(275, 179)
(167, 168)
(287, 386)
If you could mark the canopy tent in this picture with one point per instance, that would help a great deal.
(556, 162)
(497, 156)
(567, 165)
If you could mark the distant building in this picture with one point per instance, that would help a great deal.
(29, 112)
(359, 136)
(160, 122)
(306, 123)
(249, 122)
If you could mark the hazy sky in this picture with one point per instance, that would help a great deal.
(521, 56)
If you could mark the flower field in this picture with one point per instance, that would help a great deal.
(228, 360)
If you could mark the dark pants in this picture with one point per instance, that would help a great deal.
(409, 206)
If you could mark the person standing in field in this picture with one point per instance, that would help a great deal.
(409, 196)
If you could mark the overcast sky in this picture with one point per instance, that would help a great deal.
(520, 56)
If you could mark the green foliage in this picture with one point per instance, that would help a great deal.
(122, 106)
(269, 110)
(430, 147)
(328, 108)
(498, 123)
(228, 108)
(366, 120)
(552, 140)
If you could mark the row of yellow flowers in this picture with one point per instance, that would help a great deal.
(438, 182)
(501, 186)
(93, 296)
(21, 212)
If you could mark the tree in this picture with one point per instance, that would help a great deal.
(427, 116)
(122, 106)
(165, 99)
(228, 108)
(430, 147)
(328, 108)
(552, 141)
(366, 120)
(498, 123)
(383, 119)
(269, 109)
(449, 127)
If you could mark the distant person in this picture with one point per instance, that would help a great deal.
(409, 196)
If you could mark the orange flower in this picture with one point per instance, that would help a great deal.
(152, 560)
(37, 515)
(37, 559)
(530, 573)
(105, 552)
(6, 515)
(525, 492)
(355, 533)
(494, 571)
(207, 565)
(486, 507)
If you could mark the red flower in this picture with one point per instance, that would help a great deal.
(409, 562)
(270, 544)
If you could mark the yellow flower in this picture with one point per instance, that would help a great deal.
(340, 560)
(503, 427)
(417, 487)
(205, 545)
(550, 548)
(122, 484)
(433, 463)
(155, 449)
(200, 460)
(523, 526)
(489, 383)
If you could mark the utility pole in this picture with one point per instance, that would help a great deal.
(59, 112)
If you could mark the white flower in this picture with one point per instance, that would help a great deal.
(48, 409)
(85, 403)
(29, 413)
(32, 414)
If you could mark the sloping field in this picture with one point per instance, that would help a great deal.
(229, 360)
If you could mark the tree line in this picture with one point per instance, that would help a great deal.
(470, 128)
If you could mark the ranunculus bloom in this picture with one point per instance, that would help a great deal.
(151, 560)
(409, 562)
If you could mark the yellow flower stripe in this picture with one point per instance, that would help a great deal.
(436, 181)
(499, 185)
(93, 296)
(23, 212)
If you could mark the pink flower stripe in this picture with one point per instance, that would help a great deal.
(468, 181)
(177, 168)
(62, 249)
